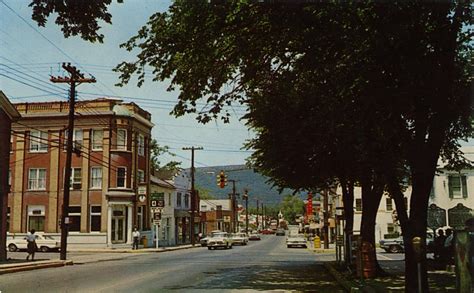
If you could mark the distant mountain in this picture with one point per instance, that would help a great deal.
(206, 178)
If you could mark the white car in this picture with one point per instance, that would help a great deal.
(239, 238)
(221, 239)
(297, 240)
(45, 243)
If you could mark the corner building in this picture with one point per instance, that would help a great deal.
(110, 171)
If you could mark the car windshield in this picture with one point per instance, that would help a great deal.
(219, 235)
(47, 237)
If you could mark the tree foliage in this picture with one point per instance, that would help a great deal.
(74, 17)
(156, 152)
(367, 91)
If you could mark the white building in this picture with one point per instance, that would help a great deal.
(450, 188)
(175, 224)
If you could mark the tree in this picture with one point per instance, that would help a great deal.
(291, 206)
(413, 84)
(156, 152)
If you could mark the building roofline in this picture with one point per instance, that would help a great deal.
(8, 107)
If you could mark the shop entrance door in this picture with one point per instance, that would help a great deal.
(119, 229)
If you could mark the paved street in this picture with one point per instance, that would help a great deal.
(262, 265)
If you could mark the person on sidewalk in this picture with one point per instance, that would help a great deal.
(31, 246)
(438, 245)
(136, 238)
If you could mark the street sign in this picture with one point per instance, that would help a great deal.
(142, 190)
(157, 216)
(458, 216)
(340, 240)
(157, 199)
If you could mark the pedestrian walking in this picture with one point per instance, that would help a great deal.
(438, 245)
(136, 238)
(449, 247)
(31, 246)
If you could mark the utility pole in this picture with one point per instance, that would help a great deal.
(75, 77)
(263, 219)
(326, 219)
(246, 198)
(257, 214)
(234, 206)
(193, 193)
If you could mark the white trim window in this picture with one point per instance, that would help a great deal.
(141, 145)
(96, 177)
(121, 177)
(75, 180)
(358, 205)
(38, 141)
(121, 139)
(141, 176)
(36, 217)
(75, 219)
(37, 179)
(457, 184)
(95, 221)
(97, 139)
(76, 138)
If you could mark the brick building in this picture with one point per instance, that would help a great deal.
(216, 214)
(110, 169)
(8, 114)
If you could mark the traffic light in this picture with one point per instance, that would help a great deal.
(222, 179)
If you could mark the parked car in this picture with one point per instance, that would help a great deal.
(297, 240)
(254, 236)
(267, 232)
(221, 239)
(395, 245)
(280, 232)
(239, 238)
(203, 241)
(45, 243)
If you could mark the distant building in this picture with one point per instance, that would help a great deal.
(8, 114)
(216, 214)
(110, 170)
(454, 189)
(175, 223)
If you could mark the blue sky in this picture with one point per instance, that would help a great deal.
(30, 54)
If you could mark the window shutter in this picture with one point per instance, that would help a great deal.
(464, 186)
(450, 186)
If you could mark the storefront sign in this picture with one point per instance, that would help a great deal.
(142, 190)
(157, 199)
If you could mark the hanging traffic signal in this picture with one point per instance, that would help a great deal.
(222, 179)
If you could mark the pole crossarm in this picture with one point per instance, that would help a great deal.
(76, 77)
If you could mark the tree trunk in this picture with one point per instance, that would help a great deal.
(348, 202)
(371, 196)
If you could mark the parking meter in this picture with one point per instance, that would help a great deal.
(416, 241)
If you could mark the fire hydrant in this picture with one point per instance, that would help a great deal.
(317, 242)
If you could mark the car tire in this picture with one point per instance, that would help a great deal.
(230, 247)
(289, 246)
(394, 249)
(12, 248)
(210, 248)
(44, 249)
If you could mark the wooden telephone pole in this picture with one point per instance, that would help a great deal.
(75, 77)
(193, 192)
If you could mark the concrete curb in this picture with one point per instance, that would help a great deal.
(13, 268)
(143, 250)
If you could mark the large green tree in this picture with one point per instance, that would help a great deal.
(407, 74)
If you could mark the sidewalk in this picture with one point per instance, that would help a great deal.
(90, 256)
(439, 281)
